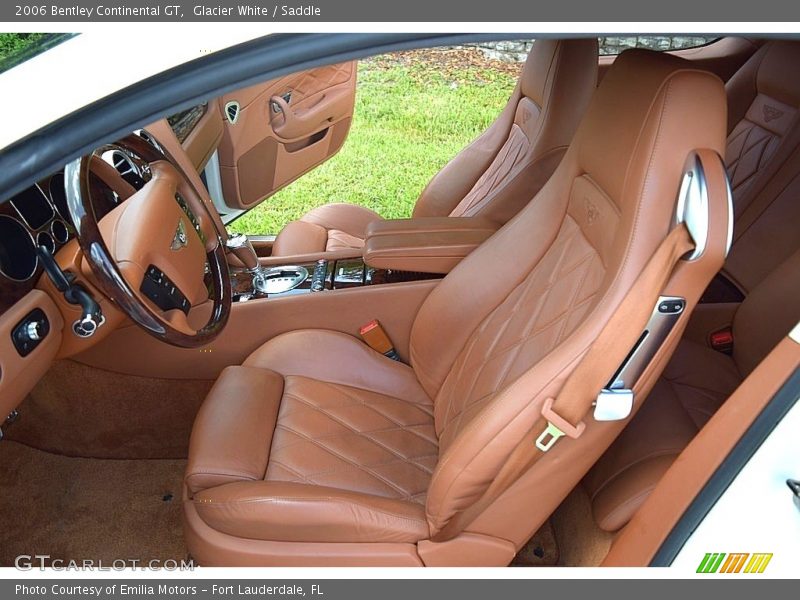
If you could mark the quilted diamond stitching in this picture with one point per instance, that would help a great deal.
(315, 80)
(749, 149)
(522, 329)
(358, 440)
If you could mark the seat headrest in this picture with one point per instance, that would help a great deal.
(548, 57)
(776, 74)
(649, 112)
(768, 77)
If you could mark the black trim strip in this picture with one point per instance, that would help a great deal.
(759, 430)
(50, 148)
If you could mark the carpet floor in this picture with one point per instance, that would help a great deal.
(86, 508)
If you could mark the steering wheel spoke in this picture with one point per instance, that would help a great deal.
(152, 253)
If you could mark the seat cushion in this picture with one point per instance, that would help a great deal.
(315, 449)
(694, 385)
(328, 228)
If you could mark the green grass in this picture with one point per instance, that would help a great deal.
(10, 43)
(409, 122)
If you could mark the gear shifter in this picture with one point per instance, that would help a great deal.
(242, 248)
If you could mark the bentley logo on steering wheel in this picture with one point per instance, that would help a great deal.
(180, 240)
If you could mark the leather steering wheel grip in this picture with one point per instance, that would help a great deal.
(94, 239)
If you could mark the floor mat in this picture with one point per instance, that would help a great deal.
(77, 410)
(540, 551)
(85, 508)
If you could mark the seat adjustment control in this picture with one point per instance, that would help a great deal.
(671, 306)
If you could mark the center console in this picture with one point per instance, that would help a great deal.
(395, 251)
(313, 277)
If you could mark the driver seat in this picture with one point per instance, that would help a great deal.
(320, 451)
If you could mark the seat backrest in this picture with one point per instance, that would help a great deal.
(763, 161)
(509, 323)
(500, 171)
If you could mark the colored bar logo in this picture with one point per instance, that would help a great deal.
(736, 562)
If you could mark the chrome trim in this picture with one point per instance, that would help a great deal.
(21, 223)
(87, 326)
(66, 231)
(52, 245)
(655, 332)
(46, 199)
(729, 239)
(237, 106)
(236, 241)
(692, 204)
(179, 240)
(50, 195)
(613, 405)
(270, 281)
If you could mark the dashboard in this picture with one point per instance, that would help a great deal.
(39, 216)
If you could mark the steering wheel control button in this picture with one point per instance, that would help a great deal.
(30, 332)
(160, 289)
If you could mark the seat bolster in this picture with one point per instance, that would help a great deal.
(348, 218)
(300, 237)
(295, 512)
(232, 432)
(320, 354)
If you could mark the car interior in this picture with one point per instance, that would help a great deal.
(511, 376)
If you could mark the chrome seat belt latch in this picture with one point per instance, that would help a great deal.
(613, 405)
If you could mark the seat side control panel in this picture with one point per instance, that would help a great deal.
(160, 289)
(30, 331)
(663, 318)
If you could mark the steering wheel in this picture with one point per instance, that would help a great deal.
(158, 253)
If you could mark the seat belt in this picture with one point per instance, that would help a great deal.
(579, 392)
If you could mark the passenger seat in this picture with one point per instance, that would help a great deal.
(498, 173)
(763, 162)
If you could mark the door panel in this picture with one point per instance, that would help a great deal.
(276, 131)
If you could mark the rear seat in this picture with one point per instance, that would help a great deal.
(763, 160)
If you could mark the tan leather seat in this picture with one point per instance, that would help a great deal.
(499, 172)
(696, 382)
(763, 159)
(318, 450)
(763, 162)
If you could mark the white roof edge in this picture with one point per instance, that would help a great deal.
(93, 65)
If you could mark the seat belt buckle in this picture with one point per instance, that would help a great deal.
(613, 404)
(556, 428)
(375, 337)
(722, 340)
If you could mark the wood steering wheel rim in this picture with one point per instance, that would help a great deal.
(108, 274)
